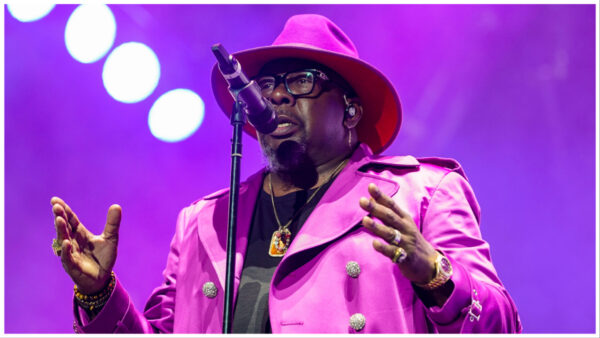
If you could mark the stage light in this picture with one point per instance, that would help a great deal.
(90, 32)
(27, 12)
(131, 72)
(176, 115)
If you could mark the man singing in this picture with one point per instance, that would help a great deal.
(331, 237)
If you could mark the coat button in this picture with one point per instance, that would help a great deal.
(353, 269)
(209, 290)
(357, 321)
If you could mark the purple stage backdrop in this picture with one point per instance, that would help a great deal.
(509, 91)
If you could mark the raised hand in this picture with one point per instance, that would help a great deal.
(87, 258)
(418, 255)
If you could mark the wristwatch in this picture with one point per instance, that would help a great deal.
(443, 272)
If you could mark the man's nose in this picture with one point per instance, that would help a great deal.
(280, 95)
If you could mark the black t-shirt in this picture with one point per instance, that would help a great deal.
(251, 313)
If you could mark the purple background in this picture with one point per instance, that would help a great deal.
(506, 90)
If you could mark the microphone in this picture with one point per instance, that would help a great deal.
(260, 111)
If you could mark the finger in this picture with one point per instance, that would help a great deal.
(113, 222)
(67, 257)
(385, 249)
(385, 200)
(54, 200)
(69, 231)
(383, 213)
(66, 231)
(58, 201)
(71, 217)
(61, 229)
(385, 232)
(59, 212)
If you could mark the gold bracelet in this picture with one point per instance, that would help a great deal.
(96, 300)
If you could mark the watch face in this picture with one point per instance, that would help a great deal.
(445, 265)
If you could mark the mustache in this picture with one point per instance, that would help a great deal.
(287, 116)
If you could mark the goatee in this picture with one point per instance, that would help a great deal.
(291, 161)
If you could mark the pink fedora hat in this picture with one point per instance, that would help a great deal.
(316, 38)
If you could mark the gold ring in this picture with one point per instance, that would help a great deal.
(399, 255)
(56, 247)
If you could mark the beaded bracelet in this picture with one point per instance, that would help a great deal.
(96, 300)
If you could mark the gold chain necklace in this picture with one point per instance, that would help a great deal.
(281, 238)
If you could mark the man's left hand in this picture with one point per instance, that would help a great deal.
(419, 264)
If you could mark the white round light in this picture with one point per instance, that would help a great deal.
(90, 32)
(131, 72)
(27, 12)
(176, 115)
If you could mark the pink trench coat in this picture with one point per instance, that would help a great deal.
(311, 292)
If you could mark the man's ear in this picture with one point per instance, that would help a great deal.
(353, 112)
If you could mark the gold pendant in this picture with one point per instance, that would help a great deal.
(280, 241)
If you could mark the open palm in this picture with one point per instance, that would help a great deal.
(87, 258)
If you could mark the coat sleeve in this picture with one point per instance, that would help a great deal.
(119, 314)
(479, 303)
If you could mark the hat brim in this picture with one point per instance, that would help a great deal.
(382, 112)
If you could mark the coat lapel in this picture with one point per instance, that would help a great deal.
(338, 210)
(212, 228)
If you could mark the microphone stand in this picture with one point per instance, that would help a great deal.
(245, 94)
(238, 120)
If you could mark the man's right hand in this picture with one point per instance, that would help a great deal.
(86, 257)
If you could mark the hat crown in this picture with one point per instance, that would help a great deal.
(315, 31)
